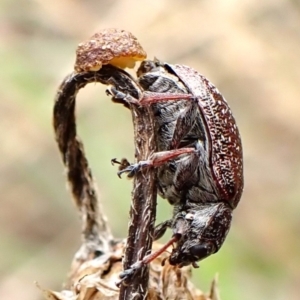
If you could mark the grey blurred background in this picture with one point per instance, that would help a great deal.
(248, 49)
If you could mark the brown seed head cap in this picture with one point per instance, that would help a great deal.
(110, 46)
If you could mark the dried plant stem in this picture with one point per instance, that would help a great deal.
(143, 206)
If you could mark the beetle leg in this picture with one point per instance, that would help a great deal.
(132, 169)
(161, 228)
(147, 98)
(157, 159)
(184, 123)
(185, 171)
(123, 164)
(152, 97)
(120, 97)
(188, 166)
(129, 273)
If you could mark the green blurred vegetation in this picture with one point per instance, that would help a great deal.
(249, 49)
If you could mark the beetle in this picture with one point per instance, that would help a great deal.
(200, 160)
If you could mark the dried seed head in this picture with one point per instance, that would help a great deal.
(110, 46)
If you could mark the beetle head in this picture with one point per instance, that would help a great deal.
(148, 66)
(201, 231)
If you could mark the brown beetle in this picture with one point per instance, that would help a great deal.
(200, 161)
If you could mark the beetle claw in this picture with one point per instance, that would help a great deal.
(131, 170)
(121, 97)
(127, 275)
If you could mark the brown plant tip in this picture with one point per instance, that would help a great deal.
(110, 46)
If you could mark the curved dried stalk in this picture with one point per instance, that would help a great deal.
(96, 234)
(97, 238)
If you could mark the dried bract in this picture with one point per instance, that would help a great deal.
(96, 280)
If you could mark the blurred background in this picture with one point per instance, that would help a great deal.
(248, 49)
